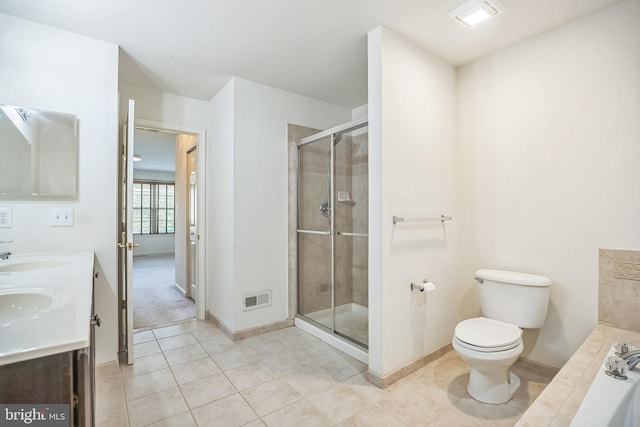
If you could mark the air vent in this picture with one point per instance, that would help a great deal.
(257, 300)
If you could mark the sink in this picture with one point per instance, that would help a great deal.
(45, 304)
(32, 265)
(16, 306)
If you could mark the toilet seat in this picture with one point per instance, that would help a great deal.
(487, 335)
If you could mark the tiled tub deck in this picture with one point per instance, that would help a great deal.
(560, 400)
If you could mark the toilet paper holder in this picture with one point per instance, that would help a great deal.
(424, 286)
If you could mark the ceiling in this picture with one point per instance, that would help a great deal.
(157, 150)
(311, 47)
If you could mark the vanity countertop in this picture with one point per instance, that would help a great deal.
(45, 304)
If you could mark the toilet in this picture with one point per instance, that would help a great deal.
(490, 344)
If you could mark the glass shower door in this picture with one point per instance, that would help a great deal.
(333, 213)
(351, 217)
(315, 246)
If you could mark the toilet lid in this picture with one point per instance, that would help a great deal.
(493, 335)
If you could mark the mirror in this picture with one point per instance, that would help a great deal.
(38, 152)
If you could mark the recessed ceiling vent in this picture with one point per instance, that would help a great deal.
(474, 12)
(257, 300)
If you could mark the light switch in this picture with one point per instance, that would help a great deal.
(61, 217)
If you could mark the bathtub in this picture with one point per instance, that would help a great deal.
(610, 402)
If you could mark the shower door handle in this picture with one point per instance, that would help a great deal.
(323, 233)
(343, 233)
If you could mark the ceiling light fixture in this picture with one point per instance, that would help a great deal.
(475, 11)
(136, 158)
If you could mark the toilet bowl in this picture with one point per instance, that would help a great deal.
(491, 344)
(489, 347)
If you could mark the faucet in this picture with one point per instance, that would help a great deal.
(5, 254)
(632, 358)
(625, 358)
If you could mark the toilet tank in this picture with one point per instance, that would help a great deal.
(518, 298)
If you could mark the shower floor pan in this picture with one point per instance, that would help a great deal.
(352, 320)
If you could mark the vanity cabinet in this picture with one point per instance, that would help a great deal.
(65, 378)
(45, 380)
(48, 358)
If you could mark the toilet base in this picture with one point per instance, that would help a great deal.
(492, 386)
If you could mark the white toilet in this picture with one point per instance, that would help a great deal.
(491, 344)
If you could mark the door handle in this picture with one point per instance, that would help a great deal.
(95, 320)
(129, 245)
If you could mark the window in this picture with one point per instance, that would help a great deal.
(153, 207)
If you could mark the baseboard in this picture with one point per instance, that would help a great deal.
(180, 290)
(246, 333)
(538, 368)
(152, 253)
(398, 374)
(165, 324)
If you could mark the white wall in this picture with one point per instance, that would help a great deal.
(261, 190)
(164, 107)
(50, 69)
(220, 219)
(411, 174)
(143, 174)
(549, 133)
(257, 248)
(154, 244)
(360, 112)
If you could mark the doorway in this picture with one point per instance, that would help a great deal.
(162, 291)
(158, 212)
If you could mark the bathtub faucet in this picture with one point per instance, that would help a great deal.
(632, 358)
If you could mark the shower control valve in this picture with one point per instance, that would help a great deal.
(324, 209)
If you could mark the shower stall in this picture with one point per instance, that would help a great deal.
(332, 227)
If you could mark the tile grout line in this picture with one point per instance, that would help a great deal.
(178, 385)
(172, 374)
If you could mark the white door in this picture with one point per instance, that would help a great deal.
(126, 244)
(192, 196)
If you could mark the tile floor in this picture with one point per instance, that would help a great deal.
(191, 374)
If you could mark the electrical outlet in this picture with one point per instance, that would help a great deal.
(5, 217)
(61, 217)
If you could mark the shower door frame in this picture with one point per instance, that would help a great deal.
(332, 133)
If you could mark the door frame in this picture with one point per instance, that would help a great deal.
(201, 176)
